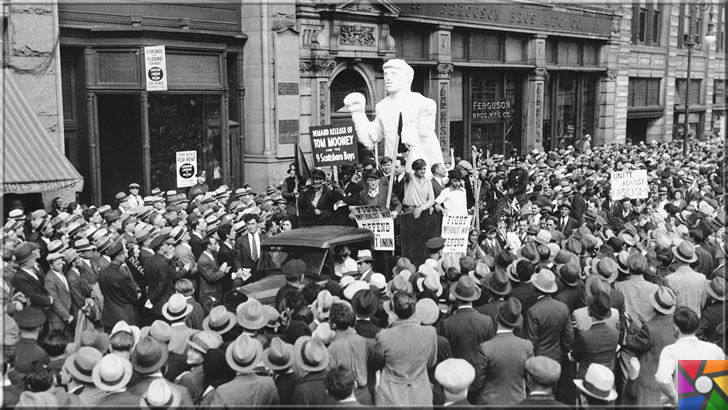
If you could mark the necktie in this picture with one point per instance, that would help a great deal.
(254, 248)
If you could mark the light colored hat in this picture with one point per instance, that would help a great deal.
(219, 320)
(244, 353)
(324, 333)
(455, 375)
(598, 382)
(279, 355)
(426, 311)
(176, 308)
(354, 287)
(716, 288)
(364, 255)
(160, 395)
(545, 281)
(250, 315)
(81, 364)
(112, 373)
(543, 237)
(378, 280)
(685, 252)
(310, 354)
(430, 282)
(663, 300)
(204, 341)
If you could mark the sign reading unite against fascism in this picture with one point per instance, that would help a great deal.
(455, 230)
(333, 145)
(379, 221)
(186, 168)
(155, 68)
(629, 184)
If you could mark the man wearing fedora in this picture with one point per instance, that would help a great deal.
(27, 279)
(112, 374)
(56, 283)
(159, 274)
(686, 347)
(542, 373)
(500, 363)
(598, 343)
(713, 312)
(294, 271)
(175, 311)
(499, 288)
(117, 286)
(635, 288)
(467, 328)
(211, 274)
(149, 361)
(77, 370)
(364, 262)
(597, 387)
(278, 358)
(647, 344)
(567, 223)
(689, 285)
(312, 357)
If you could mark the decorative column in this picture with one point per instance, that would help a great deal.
(93, 147)
(533, 97)
(146, 150)
(241, 117)
(442, 78)
(225, 130)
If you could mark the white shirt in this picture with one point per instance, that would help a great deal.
(453, 200)
(257, 244)
(684, 348)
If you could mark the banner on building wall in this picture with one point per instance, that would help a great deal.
(629, 184)
(379, 221)
(455, 230)
(333, 145)
(186, 168)
(155, 68)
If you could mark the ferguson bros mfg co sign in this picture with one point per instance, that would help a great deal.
(333, 145)
(528, 17)
(490, 110)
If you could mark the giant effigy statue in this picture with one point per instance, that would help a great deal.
(418, 118)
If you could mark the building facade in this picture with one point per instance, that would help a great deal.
(247, 80)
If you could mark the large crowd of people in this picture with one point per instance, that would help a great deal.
(564, 297)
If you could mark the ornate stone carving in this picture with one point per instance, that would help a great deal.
(444, 43)
(444, 69)
(444, 123)
(616, 23)
(317, 67)
(540, 72)
(357, 35)
(323, 102)
(611, 75)
(539, 113)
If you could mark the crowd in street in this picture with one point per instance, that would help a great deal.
(565, 296)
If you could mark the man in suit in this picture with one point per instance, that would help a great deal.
(491, 245)
(211, 274)
(439, 178)
(376, 194)
(455, 376)
(183, 250)
(26, 279)
(598, 343)
(542, 373)
(226, 253)
(247, 246)
(635, 288)
(148, 360)
(548, 324)
(365, 304)
(248, 388)
(118, 288)
(566, 223)
(647, 344)
(578, 203)
(316, 202)
(399, 178)
(59, 315)
(28, 355)
(501, 361)
(467, 328)
(160, 277)
(199, 229)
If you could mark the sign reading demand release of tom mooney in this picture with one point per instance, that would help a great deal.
(455, 229)
(379, 221)
(333, 145)
(186, 168)
(155, 68)
(629, 184)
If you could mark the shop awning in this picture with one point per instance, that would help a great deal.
(32, 163)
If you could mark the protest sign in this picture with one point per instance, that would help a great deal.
(155, 68)
(629, 184)
(379, 221)
(186, 168)
(333, 145)
(455, 229)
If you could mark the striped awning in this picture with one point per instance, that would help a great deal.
(31, 161)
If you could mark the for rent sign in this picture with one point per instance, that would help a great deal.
(333, 145)
(379, 221)
(629, 184)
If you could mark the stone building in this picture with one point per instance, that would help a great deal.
(246, 81)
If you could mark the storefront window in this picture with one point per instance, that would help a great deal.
(495, 98)
(570, 112)
(184, 122)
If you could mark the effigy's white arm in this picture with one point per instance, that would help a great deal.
(426, 124)
(368, 132)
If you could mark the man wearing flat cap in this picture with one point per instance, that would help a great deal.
(134, 199)
(542, 373)
(455, 377)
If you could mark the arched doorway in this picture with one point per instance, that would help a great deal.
(345, 82)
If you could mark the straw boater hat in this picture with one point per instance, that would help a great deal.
(685, 252)
(663, 300)
(160, 395)
(176, 308)
(112, 373)
(81, 364)
(598, 383)
(716, 288)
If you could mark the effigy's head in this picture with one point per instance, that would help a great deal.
(398, 75)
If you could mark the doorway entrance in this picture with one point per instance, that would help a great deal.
(120, 144)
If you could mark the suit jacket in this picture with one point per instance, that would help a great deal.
(637, 294)
(29, 355)
(408, 349)
(306, 210)
(80, 290)
(141, 387)
(500, 370)
(247, 390)
(120, 400)
(311, 391)
(398, 188)
(178, 339)
(571, 296)
(196, 245)
(596, 345)
(226, 254)
(89, 272)
(61, 309)
(381, 198)
(195, 318)
(705, 263)
(210, 277)
(286, 384)
(32, 288)
(548, 326)
(185, 255)
(242, 254)
(120, 298)
(466, 329)
(578, 208)
(437, 187)
(489, 249)
(568, 227)
(647, 344)
(160, 281)
(712, 316)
